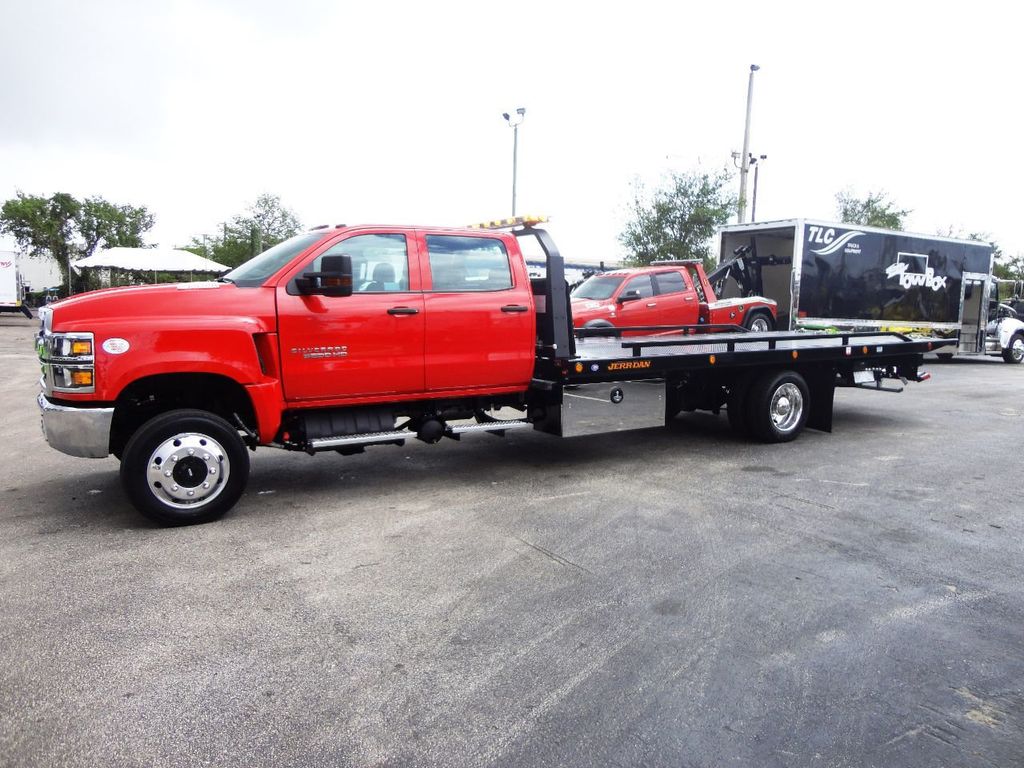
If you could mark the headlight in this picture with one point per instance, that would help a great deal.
(67, 361)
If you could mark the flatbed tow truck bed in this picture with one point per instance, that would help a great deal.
(665, 352)
(771, 384)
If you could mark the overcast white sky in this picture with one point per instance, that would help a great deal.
(391, 112)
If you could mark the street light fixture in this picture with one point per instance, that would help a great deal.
(514, 121)
(745, 166)
(753, 205)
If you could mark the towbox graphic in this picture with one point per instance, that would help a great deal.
(924, 275)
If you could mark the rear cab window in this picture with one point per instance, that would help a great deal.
(461, 263)
(670, 282)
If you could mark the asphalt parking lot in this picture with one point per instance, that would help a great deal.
(672, 597)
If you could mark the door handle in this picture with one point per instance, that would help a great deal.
(689, 298)
(515, 308)
(653, 304)
(403, 311)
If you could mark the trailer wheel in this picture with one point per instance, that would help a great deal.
(184, 467)
(1014, 351)
(777, 406)
(759, 322)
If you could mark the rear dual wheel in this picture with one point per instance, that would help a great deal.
(759, 322)
(772, 408)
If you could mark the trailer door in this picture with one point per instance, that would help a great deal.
(973, 314)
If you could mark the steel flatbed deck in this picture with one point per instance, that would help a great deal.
(603, 357)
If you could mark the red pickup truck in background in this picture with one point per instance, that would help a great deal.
(668, 293)
(348, 337)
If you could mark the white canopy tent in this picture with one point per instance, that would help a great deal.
(150, 260)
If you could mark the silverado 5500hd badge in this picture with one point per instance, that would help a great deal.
(316, 353)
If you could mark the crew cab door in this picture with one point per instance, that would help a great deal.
(677, 301)
(637, 311)
(364, 345)
(480, 323)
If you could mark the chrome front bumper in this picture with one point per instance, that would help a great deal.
(81, 432)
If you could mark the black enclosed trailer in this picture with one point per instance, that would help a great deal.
(824, 275)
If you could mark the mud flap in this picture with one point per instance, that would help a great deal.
(822, 387)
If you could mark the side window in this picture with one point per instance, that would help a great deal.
(670, 282)
(462, 263)
(642, 285)
(380, 263)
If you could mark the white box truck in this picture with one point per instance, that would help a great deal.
(830, 275)
(12, 291)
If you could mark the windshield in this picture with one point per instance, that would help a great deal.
(597, 287)
(257, 269)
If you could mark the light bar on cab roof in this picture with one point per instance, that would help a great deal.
(515, 221)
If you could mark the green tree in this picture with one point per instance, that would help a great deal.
(1009, 267)
(265, 223)
(65, 229)
(875, 210)
(678, 219)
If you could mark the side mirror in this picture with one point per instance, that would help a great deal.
(333, 279)
(628, 296)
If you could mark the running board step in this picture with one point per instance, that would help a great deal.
(497, 427)
(371, 438)
(401, 435)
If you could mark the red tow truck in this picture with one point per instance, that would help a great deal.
(671, 293)
(353, 336)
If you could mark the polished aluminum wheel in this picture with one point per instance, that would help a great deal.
(787, 407)
(188, 470)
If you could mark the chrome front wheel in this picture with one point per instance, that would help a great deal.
(185, 466)
(188, 470)
(1014, 353)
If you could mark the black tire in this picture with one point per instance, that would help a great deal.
(1014, 352)
(944, 355)
(210, 467)
(778, 405)
(600, 325)
(759, 321)
(736, 407)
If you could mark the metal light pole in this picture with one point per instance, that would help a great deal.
(514, 121)
(753, 204)
(745, 163)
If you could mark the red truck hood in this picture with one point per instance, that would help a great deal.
(584, 310)
(184, 304)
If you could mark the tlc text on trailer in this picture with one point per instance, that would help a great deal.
(349, 337)
(824, 274)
